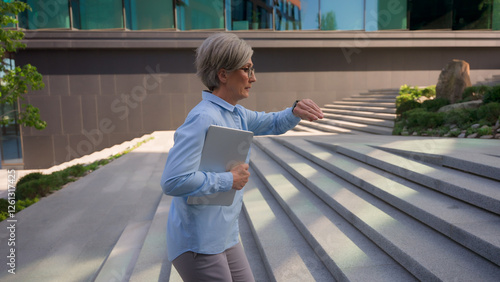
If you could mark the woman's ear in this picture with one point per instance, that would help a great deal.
(222, 75)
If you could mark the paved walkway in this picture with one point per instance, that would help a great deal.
(67, 236)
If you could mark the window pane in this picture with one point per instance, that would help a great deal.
(250, 14)
(48, 14)
(472, 14)
(385, 14)
(200, 14)
(342, 15)
(297, 15)
(10, 143)
(496, 15)
(97, 14)
(430, 14)
(149, 14)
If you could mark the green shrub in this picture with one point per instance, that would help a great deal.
(4, 204)
(460, 117)
(431, 119)
(489, 112)
(455, 132)
(411, 117)
(407, 106)
(428, 92)
(22, 204)
(76, 170)
(408, 95)
(416, 92)
(435, 104)
(485, 131)
(398, 128)
(442, 130)
(33, 189)
(29, 177)
(471, 130)
(492, 95)
(474, 93)
(95, 165)
(422, 118)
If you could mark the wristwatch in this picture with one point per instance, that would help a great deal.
(295, 104)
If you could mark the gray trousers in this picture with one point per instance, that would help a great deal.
(231, 265)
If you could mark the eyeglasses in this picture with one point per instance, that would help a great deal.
(250, 71)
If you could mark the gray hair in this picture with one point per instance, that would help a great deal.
(220, 51)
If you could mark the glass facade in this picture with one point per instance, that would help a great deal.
(200, 14)
(472, 14)
(149, 14)
(297, 15)
(46, 14)
(496, 15)
(281, 15)
(385, 15)
(97, 14)
(342, 15)
(249, 15)
(436, 14)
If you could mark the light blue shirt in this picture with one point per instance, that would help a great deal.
(209, 229)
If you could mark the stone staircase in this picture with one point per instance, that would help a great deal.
(371, 211)
(491, 81)
(339, 207)
(372, 112)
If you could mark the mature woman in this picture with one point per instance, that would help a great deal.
(203, 240)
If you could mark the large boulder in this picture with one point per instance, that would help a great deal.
(453, 80)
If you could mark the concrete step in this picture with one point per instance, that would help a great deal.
(278, 239)
(302, 128)
(367, 128)
(327, 128)
(384, 116)
(120, 262)
(381, 99)
(434, 208)
(362, 120)
(485, 165)
(393, 92)
(374, 109)
(388, 105)
(476, 190)
(421, 250)
(152, 263)
(344, 250)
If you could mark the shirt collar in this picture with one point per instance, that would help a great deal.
(206, 95)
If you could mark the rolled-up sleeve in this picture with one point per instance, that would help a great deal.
(180, 175)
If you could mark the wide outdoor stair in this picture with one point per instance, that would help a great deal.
(372, 112)
(372, 212)
(339, 207)
(491, 81)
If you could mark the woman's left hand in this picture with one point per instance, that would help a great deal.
(308, 110)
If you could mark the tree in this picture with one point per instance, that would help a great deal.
(15, 82)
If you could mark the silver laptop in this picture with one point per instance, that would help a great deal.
(224, 147)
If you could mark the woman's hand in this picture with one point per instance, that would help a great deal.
(240, 176)
(308, 110)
